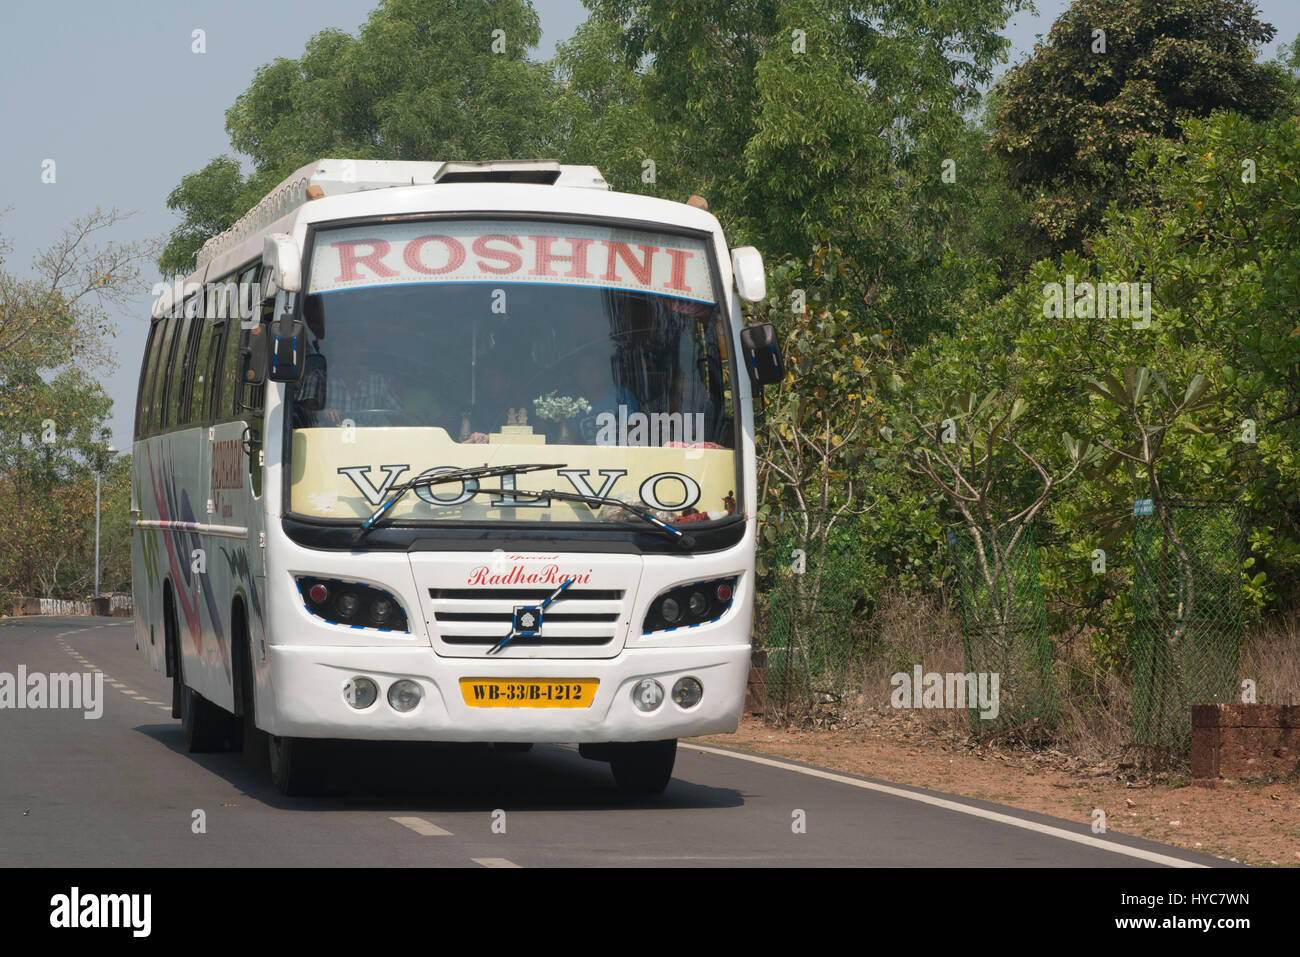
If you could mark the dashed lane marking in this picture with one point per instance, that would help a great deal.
(420, 826)
(493, 862)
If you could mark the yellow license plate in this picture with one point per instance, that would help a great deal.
(528, 692)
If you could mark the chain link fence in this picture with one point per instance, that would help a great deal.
(1187, 604)
(811, 622)
(1004, 626)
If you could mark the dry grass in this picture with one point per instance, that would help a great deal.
(906, 630)
(1093, 701)
(1270, 655)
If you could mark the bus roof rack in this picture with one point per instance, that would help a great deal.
(332, 177)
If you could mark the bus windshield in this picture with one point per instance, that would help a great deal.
(440, 345)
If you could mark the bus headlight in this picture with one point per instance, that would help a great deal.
(671, 610)
(405, 695)
(381, 609)
(347, 604)
(688, 605)
(352, 603)
(647, 694)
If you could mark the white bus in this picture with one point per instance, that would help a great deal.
(452, 452)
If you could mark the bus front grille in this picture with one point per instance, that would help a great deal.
(582, 617)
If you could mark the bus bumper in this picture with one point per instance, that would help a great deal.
(307, 682)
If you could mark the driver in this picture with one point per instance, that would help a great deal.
(369, 390)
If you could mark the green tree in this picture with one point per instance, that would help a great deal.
(54, 328)
(818, 122)
(424, 80)
(1112, 75)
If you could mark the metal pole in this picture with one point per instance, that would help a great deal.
(97, 474)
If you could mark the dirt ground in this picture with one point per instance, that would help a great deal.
(1255, 822)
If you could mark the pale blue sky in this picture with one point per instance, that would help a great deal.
(112, 92)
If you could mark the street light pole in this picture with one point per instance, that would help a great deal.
(99, 462)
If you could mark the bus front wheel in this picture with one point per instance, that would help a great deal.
(204, 726)
(643, 767)
(296, 767)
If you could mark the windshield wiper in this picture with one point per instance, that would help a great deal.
(458, 475)
(683, 539)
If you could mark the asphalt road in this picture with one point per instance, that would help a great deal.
(121, 791)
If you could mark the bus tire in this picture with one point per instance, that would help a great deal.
(643, 767)
(254, 739)
(296, 766)
(204, 726)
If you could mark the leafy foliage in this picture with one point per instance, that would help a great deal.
(1113, 75)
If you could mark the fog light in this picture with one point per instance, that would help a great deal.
(687, 692)
(405, 695)
(699, 604)
(671, 610)
(360, 692)
(647, 694)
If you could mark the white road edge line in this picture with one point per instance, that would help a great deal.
(494, 862)
(420, 826)
(1047, 829)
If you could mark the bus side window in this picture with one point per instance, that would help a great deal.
(192, 372)
(228, 379)
(144, 394)
(161, 365)
(239, 397)
(175, 371)
(212, 373)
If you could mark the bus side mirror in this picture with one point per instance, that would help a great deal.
(747, 268)
(288, 346)
(762, 354)
(283, 264)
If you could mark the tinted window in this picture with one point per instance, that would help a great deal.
(210, 364)
(143, 394)
(160, 364)
(192, 395)
(175, 370)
